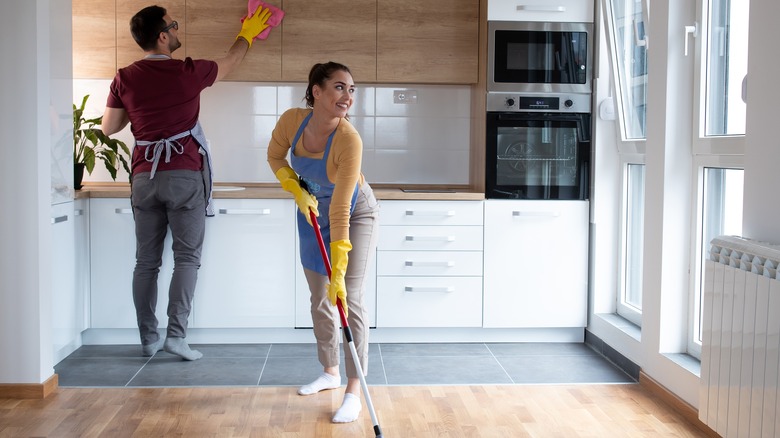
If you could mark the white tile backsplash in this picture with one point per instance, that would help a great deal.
(426, 142)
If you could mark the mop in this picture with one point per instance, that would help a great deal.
(345, 327)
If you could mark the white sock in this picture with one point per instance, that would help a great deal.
(323, 382)
(349, 410)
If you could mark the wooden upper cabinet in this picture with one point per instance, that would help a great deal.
(127, 51)
(315, 31)
(94, 27)
(431, 41)
(212, 27)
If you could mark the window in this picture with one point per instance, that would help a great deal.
(719, 141)
(720, 214)
(632, 243)
(628, 47)
(726, 61)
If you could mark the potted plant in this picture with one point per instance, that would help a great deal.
(91, 144)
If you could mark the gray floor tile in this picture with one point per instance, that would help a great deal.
(233, 350)
(451, 370)
(308, 350)
(390, 350)
(169, 370)
(283, 371)
(540, 349)
(562, 369)
(108, 351)
(98, 371)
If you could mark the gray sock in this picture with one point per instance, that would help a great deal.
(179, 347)
(151, 349)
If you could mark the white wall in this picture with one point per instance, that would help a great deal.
(422, 143)
(28, 114)
(761, 217)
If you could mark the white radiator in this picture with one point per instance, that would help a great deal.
(738, 395)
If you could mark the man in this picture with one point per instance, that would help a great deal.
(171, 180)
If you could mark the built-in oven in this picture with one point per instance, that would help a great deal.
(538, 146)
(539, 57)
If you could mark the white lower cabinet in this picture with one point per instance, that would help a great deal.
(536, 264)
(429, 264)
(112, 261)
(81, 224)
(66, 303)
(247, 277)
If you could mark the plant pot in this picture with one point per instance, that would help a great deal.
(78, 175)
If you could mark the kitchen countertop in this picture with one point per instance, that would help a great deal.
(273, 191)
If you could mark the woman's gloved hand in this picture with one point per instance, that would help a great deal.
(254, 25)
(305, 200)
(337, 289)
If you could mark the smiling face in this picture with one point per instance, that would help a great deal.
(336, 95)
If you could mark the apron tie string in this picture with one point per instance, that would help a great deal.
(153, 154)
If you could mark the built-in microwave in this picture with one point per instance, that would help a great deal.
(534, 57)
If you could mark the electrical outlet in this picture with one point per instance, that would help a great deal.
(405, 96)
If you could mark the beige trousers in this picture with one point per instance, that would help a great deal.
(363, 228)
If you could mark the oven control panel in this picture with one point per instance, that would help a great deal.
(548, 102)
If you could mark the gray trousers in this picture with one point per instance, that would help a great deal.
(175, 199)
(363, 228)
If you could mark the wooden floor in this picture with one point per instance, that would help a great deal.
(625, 410)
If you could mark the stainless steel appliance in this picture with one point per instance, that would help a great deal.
(534, 57)
(538, 146)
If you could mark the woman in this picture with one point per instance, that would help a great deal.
(324, 175)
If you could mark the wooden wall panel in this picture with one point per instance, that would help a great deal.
(94, 28)
(212, 28)
(339, 30)
(435, 41)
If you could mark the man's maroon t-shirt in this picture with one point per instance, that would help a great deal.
(162, 99)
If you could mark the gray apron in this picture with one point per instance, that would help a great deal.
(154, 151)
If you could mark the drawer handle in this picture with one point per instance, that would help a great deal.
(430, 238)
(447, 289)
(58, 219)
(123, 210)
(447, 213)
(535, 213)
(541, 8)
(78, 212)
(412, 263)
(261, 211)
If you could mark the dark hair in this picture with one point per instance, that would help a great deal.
(318, 75)
(146, 25)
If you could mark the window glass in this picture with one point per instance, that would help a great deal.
(630, 305)
(628, 46)
(721, 215)
(726, 61)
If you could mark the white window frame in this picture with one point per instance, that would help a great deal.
(702, 144)
(631, 146)
(627, 312)
(725, 151)
(701, 162)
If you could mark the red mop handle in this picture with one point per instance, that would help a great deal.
(326, 260)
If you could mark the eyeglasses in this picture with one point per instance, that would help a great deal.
(174, 25)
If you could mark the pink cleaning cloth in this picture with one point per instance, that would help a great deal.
(274, 20)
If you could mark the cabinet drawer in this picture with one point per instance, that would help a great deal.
(541, 10)
(429, 302)
(415, 238)
(431, 213)
(435, 263)
(260, 212)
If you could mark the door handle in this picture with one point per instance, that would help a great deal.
(260, 211)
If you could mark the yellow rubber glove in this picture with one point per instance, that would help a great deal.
(338, 261)
(305, 200)
(252, 26)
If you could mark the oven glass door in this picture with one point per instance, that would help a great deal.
(537, 155)
(540, 57)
